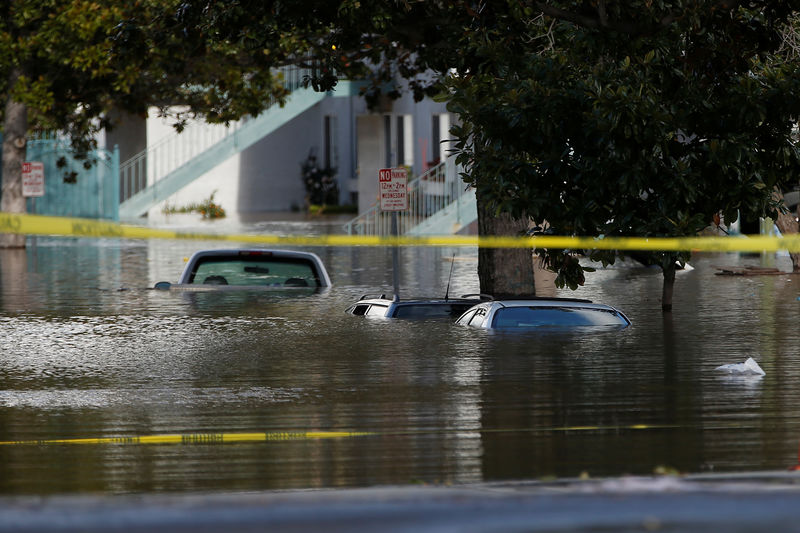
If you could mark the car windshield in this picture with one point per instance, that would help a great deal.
(257, 270)
(542, 316)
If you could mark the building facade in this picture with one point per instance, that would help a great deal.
(338, 132)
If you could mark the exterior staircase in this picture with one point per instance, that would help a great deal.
(440, 203)
(157, 173)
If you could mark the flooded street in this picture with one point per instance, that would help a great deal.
(89, 351)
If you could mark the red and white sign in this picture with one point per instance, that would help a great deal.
(32, 178)
(393, 183)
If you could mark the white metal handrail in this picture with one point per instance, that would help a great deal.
(172, 152)
(428, 194)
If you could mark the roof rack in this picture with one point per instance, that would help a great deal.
(556, 298)
(370, 296)
(478, 295)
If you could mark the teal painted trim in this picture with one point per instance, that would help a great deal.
(92, 195)
(347, 88)
(250, 132)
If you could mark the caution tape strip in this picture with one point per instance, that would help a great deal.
(197, 438)
(79, 227)
(228, 438)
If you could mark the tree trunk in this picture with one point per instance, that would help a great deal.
(669, 285)
(15, 130)
(788, 225)
(503, 272)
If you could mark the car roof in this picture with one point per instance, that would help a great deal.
(412, 308)
(543, 302)
(575, 303)
(548, 302)
(524, 301)
(383, 299)
(236, 252)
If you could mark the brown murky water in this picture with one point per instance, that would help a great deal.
(87, 350)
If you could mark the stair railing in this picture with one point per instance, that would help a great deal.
(157, 161)
(428, 194)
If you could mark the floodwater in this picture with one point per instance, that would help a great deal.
(89, 351)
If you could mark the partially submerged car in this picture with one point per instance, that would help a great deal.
(387, 307)
(251, 269)
(543, 313)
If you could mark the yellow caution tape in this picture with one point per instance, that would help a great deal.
(198, 438)
(78, 227)
(227, 438)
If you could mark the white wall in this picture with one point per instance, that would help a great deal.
(269, 174)
(371, 158)
(371, 144)
(266, 176)
(222, 181)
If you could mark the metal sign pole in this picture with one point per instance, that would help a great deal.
(33, 237)
(393, 186)
(33, 186)
(395, 260)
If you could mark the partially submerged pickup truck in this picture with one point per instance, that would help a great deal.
(250, 269)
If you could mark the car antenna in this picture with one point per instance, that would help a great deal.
(452, 262)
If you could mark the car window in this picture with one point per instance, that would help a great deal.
(477, 320)
(464, 320)
(430, 310)
(526, 317)
(257, 270)
(377, 310)
(359, 309)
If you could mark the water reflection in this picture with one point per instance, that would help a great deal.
(90, 350)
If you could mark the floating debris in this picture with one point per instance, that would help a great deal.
(730, 270)
(749, 367)
(748, 271)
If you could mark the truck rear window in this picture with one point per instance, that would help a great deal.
(256, 271)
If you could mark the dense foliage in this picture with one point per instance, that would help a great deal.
(54, 59)
(646, 118)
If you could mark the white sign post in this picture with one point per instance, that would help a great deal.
(32, 179)
(393, 185)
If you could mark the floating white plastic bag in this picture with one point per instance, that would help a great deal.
(748, 368)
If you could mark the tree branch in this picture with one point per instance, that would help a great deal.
(601, 13)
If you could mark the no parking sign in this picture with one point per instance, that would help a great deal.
(393, 189)
(32, 179)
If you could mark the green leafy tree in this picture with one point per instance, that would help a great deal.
(54, 74)
(636, 118)
(70, 65)
(788, 222)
